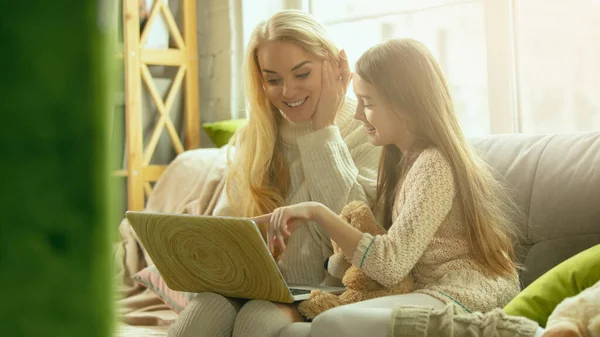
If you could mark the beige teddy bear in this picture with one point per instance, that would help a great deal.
(359, 286)
(577, 316)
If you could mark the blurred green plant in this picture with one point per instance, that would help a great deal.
(55, 252)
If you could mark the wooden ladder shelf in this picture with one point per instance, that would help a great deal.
(140, 174)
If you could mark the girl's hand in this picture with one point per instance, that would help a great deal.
(335, 77)
(285, 220)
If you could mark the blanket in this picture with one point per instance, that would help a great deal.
(191, 184)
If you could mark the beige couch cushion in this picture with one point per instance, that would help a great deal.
(556, 181)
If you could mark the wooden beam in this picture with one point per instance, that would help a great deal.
(147, 189)
(164, 116)
(192, 92)
(153, 172)
(175, 87)
(169, 57)
(175, 33)
(133, 107)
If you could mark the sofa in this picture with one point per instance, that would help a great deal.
(555, 179)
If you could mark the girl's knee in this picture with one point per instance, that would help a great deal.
(351, 321)
(329, 323)
(296, 330)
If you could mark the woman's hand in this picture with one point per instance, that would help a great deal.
(335, 77)
(284, 220)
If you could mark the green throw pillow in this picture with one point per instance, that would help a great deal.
(567, 279)
(220, 132)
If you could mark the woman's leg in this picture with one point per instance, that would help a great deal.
(366, 318)
(207, 315)
(264, 319)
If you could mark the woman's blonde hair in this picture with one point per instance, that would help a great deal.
(258, 178)
(407, 76)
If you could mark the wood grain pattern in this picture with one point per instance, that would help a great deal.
(217, 254)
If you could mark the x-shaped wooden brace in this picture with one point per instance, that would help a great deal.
(163, 107)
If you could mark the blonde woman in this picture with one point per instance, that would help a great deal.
(448, 218)
(300, 144)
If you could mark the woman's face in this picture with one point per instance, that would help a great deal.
(383, 125)
(291, 78)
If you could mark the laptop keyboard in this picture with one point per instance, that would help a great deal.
(296, 291)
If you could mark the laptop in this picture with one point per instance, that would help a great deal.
(224, 255)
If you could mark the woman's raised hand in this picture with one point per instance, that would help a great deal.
(335, 77)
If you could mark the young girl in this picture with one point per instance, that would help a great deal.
(300, 144)
(447, 217)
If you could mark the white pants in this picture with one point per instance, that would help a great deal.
(353, 320)
(368, 318)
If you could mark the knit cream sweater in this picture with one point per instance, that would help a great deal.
(428, 239)
(332, 166)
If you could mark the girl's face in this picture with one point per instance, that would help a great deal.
(383, 125)
(291, 79)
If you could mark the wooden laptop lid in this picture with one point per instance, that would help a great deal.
(223, 255)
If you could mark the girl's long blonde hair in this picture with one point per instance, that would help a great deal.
(407, 76)
(258, 178)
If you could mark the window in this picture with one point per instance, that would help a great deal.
(558, 49)
(512, 65)
(453, 31)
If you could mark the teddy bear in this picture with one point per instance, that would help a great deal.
(577, 316)
(359, 286)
